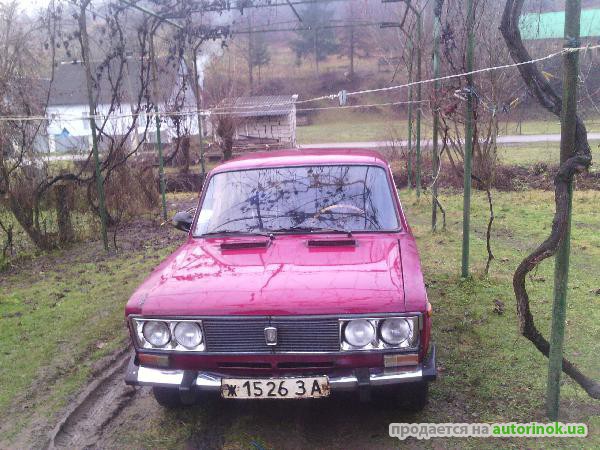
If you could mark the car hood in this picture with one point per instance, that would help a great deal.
(286, 277)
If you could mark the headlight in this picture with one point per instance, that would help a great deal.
(359, 333)
(188, 334)
(395, 331)
(156, 333)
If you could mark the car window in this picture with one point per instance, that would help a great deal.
(347, 197)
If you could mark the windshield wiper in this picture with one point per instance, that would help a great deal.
(299, 228)
(239, 233)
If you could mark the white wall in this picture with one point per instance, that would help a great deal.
(74, 119)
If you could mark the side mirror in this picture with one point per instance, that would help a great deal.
(183, 221)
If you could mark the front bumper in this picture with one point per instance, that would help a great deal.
(210, 381)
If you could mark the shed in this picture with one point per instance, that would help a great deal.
(267, 121)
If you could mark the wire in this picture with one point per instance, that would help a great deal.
(228, 110)
(205, 112)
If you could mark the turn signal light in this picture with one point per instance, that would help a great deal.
(400, 360)
(153, 360)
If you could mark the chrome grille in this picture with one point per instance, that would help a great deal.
(294, 334)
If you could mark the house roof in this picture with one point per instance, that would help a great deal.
(259, 106)
(69, 85)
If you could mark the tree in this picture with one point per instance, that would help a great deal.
(313, 38)
(260, 54)
(579, 161)
(256, 52)
(355, 41)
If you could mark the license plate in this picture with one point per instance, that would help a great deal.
(305, 387)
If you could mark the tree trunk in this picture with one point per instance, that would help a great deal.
(351, 76)
(579, 162)
(185, 150)
(64, 205)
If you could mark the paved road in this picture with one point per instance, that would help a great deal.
(508, 140)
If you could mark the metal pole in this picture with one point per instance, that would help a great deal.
(85, 54)
(468, 142)
(197, 93)
(437, 25)
(561, 269)
(419, 52)
(161, 164)
(410, 119)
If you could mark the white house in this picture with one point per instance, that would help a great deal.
(68, 110)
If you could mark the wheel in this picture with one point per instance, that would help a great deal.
(410, 397)
(170, 397)
(415, 396)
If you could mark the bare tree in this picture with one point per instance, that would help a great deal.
(578, 163)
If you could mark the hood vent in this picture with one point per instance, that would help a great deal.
(332, 243)
(241, 245)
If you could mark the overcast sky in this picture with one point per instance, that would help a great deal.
(30, 5)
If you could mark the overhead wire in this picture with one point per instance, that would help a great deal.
(229, 109)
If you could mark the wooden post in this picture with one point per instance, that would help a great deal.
(567, 146)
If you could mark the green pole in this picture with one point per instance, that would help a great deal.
(99, 182)
(198, 94)
(419, 51)
(567, 146)
(468, 142)
(161, 164)
(437, 24)
(410, 119)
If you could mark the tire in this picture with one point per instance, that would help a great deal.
(411, 397)
(169, 398)
(415, 396)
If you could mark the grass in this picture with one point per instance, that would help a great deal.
(61, 313)
(352, 126)
(488, 373)
(359, 126)
(529, 154)
(547, 126)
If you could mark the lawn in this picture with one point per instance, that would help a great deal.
(354, 126)
(488, 372)
(529, 154)
(62, 312)
(347, 125)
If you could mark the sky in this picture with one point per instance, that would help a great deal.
(30, 6)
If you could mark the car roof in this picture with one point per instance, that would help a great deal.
(303, 156)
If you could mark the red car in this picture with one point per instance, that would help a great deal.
(300, 278)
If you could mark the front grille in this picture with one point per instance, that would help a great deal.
(224, 335)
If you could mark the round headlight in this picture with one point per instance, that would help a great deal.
(359, 333)
(188, 334)
(395, 331)
(157, 333)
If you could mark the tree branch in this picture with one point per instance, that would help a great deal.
(579, 162)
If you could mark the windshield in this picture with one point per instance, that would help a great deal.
(313, 198)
